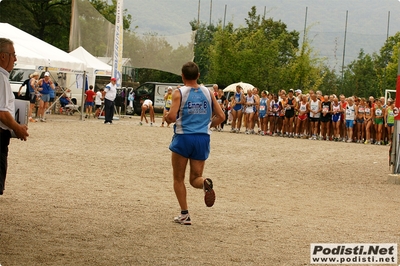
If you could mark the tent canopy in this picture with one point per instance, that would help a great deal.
(33, 51)
(94, 66)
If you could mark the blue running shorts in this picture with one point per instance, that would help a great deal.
(349, 123)
(45, 97)
(192, 146)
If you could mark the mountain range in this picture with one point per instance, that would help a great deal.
(368, 21)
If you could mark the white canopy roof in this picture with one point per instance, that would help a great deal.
(94, 66)
(33, 51)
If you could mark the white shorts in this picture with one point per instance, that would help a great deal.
(249, 110)
(148, 103)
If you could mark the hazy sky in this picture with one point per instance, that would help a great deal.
(367, 20)
(324, 15)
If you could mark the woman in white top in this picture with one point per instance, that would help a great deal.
(249, 112)
(349, 116)
(315, 113)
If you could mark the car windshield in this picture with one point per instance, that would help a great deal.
(20, 75)
(145, 89)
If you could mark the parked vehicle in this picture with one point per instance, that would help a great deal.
(18, 76)
(154, 91)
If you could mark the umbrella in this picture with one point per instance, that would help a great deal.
(245, 86)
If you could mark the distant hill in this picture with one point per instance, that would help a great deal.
(367, 20)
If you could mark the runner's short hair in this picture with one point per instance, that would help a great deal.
(190, 71)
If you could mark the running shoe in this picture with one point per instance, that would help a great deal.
(233, 130)
(209, 194)
(32, 120)
(183, 219)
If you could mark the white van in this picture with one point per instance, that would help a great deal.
(67, 81)
(18, 75)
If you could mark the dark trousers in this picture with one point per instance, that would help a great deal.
(109, 110)
(5, 136)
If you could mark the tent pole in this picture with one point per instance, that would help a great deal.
(83, 95)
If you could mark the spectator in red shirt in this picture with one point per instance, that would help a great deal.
(89, 101)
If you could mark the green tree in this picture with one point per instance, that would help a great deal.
(203, 39)
(386, 63)
(360, 77)
(306, 71)
(47, 20)
(258, 54)
(390, 78)
(109, 10)
(331, 82)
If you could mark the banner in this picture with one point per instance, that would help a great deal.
(118, 44)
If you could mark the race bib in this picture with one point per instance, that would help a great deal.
(262, 108)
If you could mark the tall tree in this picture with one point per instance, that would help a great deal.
(203, 39)
(386, 63)
(49, 20)
(109, 10)
(360, 77)
(257, 54)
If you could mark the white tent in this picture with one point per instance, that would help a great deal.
(33, 51)
(94, 67)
